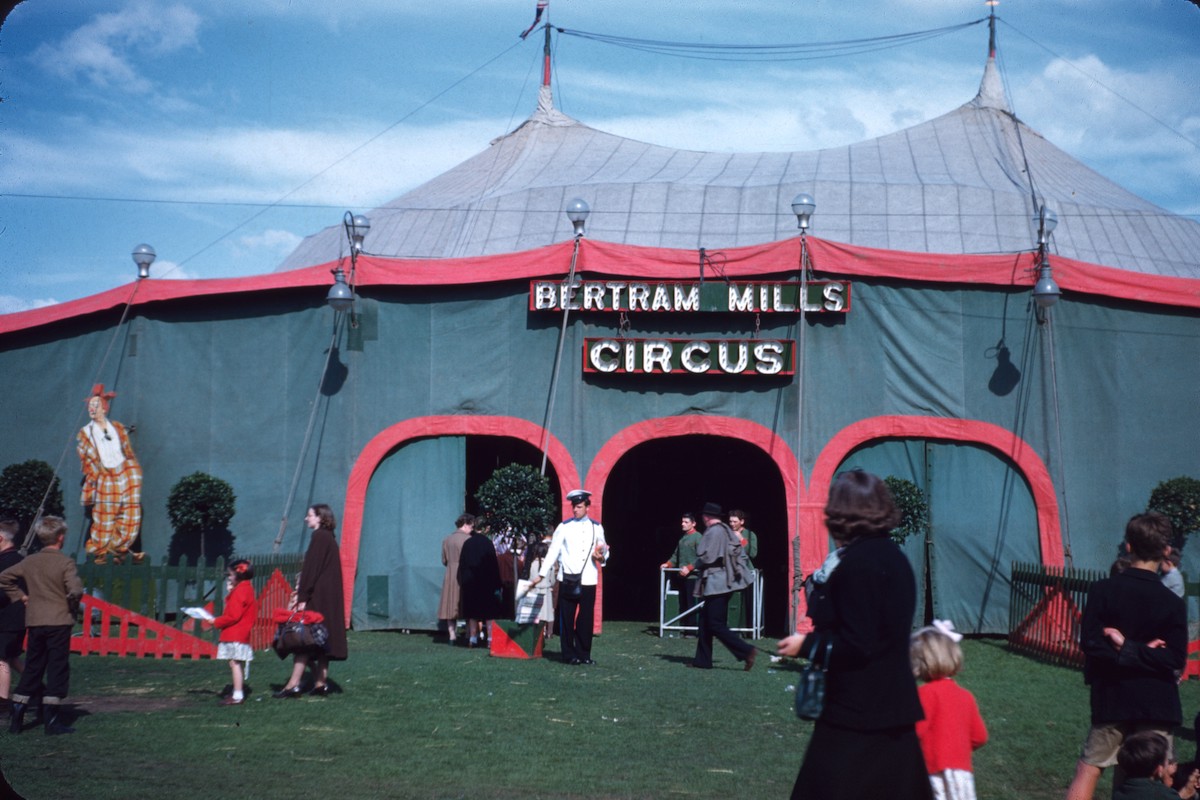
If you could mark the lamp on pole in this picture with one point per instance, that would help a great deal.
(1045, 291)
(341, 294)
(143, 256)
(577, 211)
(803, 206)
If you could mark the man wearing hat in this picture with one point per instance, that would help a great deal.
(578, 546)
(112, 481)
(723, 570)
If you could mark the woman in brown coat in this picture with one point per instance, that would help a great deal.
(319, 588)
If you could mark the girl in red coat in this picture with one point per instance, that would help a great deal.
(241, 609)
(952, 728)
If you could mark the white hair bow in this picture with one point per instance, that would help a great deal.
(947, 627)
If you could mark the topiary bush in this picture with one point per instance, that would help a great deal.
(200, 507)
(517, 499)
(1179, 500)
(914, 510)
(22, 487)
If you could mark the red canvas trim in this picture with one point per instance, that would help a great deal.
(605, 258)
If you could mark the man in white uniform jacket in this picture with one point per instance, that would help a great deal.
(578, 546)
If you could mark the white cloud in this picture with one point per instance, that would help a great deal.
(270, 242)
(163, 269)
(11, 305)
(102, 51)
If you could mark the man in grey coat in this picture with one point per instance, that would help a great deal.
(723, 571)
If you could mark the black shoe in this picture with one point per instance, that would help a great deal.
(16, 718)
(54, 725)
(321, 691)
(574, 662)
(587, 662)
(283, 694)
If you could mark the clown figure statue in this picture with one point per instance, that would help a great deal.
(112, 482)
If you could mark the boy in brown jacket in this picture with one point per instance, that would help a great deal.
(53, 592)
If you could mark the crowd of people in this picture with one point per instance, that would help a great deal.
(893, 718)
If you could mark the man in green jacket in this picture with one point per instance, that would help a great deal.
(684, 557)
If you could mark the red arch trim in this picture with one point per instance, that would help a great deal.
(422, 428)
(814, 545)
(695, 424)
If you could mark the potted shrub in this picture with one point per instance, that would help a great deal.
(1179, 499)
(914, 510)
(200, 507)
(23, 487)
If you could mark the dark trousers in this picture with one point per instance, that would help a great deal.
(687, 599)
(714, 621)
(48, 656)
(575, 620)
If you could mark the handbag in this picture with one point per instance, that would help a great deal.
(295, 635)
(810, 690)
(571, 585)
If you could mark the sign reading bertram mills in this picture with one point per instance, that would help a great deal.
(710, 296)
(629, 355)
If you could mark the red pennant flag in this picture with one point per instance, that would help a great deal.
(537, 17)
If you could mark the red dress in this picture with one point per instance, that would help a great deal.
(952, 728)
(241, 609)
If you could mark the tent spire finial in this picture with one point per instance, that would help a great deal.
(992, 27)
(545, 94)
(546, 58)
(991, 90)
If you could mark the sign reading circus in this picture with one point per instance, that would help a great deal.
(642, 356)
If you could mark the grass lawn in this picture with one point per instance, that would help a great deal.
(417, 718)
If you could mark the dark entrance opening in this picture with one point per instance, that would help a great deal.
(486, 454)
(653, 484)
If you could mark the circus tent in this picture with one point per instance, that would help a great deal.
(1034, 433)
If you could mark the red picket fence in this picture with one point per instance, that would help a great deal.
(1046, 607)
(134, 610)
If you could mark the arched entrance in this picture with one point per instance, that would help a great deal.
(991, 499)
(407, 486)
(738, 462)
(655, 482)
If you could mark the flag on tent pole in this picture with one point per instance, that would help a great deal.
(541, 8)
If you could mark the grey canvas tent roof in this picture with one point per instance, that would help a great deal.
(967, 182)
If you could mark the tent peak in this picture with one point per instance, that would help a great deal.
(991, 90)
(546, 113)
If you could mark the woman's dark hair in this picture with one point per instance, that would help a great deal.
(325, 514)
(464, 519)
(533, 552)
(242, 569)
(860, 504)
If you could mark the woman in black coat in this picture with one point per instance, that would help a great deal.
(479, 577)
(864, 743)
(319, 588)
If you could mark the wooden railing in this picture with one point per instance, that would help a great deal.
(1045, 609)
(134, 609)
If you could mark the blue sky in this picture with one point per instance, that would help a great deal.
(222, 133)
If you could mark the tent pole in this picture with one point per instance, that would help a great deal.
(562, 335)
(339, 318)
